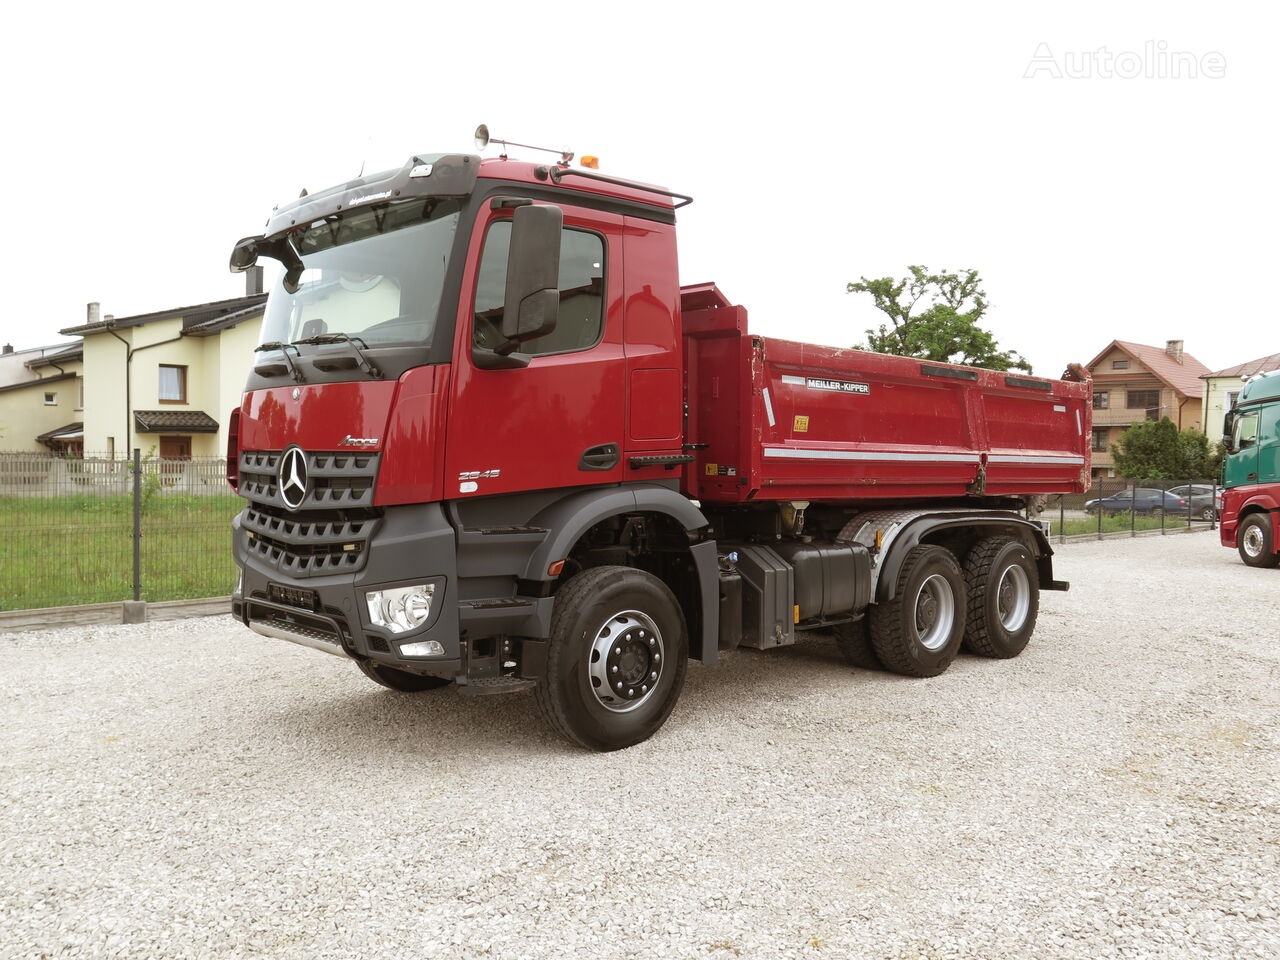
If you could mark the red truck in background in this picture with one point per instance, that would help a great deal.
(490, 440)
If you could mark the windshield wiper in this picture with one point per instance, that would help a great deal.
(356, 343)
(269, 370)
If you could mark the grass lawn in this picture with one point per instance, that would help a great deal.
(1117, 524)
(79, 549)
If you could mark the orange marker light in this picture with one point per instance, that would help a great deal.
(591, 163)
(555, 568)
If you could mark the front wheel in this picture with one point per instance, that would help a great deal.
(616, 658)
(400, 680)
(1004, 597)
(1253, 540)
(918, 633)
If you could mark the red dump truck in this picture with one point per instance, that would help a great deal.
(490, 440)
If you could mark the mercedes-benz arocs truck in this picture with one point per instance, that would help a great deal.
(490, 440)
(1251, 473)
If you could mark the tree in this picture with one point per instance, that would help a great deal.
(935, 316)
(1156, 450)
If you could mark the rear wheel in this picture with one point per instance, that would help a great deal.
(1208, 513)
(854, 641)
(918, 632)
(1157, 512)
(1253, 540)
(401, 680)
(616, 659)
(1004, 597)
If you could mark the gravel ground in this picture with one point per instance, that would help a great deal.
(188, 789)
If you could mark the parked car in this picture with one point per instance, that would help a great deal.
(1205, 503)
(1144, 500)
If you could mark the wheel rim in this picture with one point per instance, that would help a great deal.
(1252, 540)
(935, 612)
(1013, 597)
(626, 661)
(1207, 513)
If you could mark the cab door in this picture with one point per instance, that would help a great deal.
(557, 422)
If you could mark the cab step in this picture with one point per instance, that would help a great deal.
(491, 686)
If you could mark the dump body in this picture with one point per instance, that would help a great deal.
(793, 421)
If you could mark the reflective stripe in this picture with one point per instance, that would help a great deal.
(768, 407)
(1002, 458)
(806, 453)
(788, 378)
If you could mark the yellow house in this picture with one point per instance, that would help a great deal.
(1223, 386)
(165, 382)
(43, 411)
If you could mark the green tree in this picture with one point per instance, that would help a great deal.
(1157, 450)
(934, 316)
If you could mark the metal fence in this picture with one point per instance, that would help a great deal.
(1116, 507)
(95, 529)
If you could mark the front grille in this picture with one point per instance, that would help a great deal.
(335, 480)
(309, 544)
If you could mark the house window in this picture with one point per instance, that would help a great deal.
(111, 448)
(1143, 399)
(173, 384)
(50, 399)
(1100, 441)
(581, 320)
(1119, 364)
(1101, 399)
(79, 393)
(1232, 396)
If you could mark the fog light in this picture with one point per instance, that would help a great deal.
(402, 608)
(423, 648)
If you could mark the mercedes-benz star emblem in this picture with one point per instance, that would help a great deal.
(293, 477)
(296, 393)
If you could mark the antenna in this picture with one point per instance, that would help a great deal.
(483, 140)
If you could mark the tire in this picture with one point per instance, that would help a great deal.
(593, 611)
(1253, 541)
(854, 641)
(1157, 513)
(1209, 514)
(1004, 597)
(919, 632)
(400, 680)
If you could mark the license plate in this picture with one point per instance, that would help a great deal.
(294, 596)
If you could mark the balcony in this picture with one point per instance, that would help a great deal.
(1123, 416)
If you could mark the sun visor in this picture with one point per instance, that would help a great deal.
(425, 175)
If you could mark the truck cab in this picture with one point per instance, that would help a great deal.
(1251, 473)
(489, 440)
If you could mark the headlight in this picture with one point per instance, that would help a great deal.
(402, 608)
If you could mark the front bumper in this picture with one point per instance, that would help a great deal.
(413, 544)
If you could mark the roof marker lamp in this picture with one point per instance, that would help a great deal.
(401, 608)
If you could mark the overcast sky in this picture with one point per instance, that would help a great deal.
(821, 143)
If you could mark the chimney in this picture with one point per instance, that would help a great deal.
(253, 281)
(8, 348)
(1174, 349)
(95, 312)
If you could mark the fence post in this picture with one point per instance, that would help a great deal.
(137, 524)
(1133, 503)
(1213, 523)
(1062, 519)
(1100, 510)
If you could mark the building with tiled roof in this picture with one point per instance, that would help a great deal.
(1134, 382)
(1221, 387)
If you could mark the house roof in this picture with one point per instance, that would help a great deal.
(74, 352)
(192, 316)
(37, 383)
(1183, 377)
(208, 328)
(1247, 369)
(70, 429)
(194, 421)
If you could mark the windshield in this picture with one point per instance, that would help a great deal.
(374, 273)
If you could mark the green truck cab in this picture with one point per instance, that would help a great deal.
(1251, 473)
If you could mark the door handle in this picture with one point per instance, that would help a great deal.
(1251, 476)
(604, 456)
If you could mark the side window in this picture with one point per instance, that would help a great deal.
(1246, 432)
(581, 320)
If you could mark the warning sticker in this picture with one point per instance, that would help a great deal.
(801, 425)
(709, 469)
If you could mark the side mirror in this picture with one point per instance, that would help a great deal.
(531, 305)
(244, 254)
(1228, 428)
